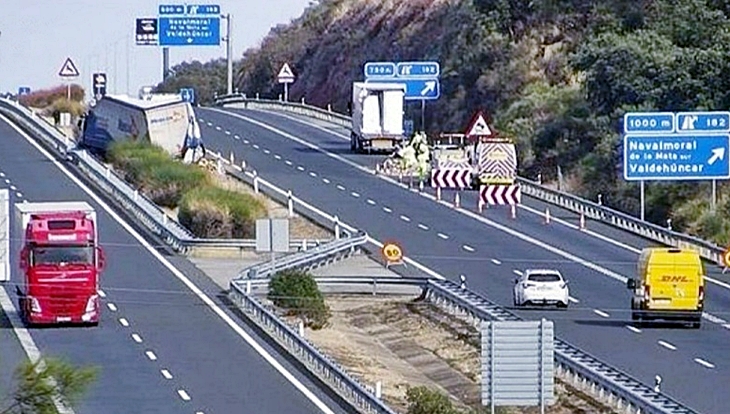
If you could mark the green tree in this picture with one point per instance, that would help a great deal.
(298, 293)
(43, 385)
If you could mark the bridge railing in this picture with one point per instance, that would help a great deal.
(575, 204)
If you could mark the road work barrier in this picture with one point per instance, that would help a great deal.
(589, 210)
(626, 393)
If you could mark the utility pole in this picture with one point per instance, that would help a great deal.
(165, 62)
(229, 54)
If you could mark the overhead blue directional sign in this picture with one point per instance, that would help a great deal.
(418, 69)
(189, 31)
(649, 122)
(188, 94)
(189, 9)
(416, 89)
(676, 157)
(694, 122)
(379, 69)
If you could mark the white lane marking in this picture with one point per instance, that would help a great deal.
(217, 128)
(180, 276)
(371, 202)
(124, 322)
(467, 248)
(245, 141)
(7, 181)
(300, 168)
(267, 152)
(714, 319)
(326, 181)
(312, 174)
(497, 262)
(210, 124)
(26, 341)
(165, 373)
(2, 174)
(228, 132)
(726, 326)
(12, 187)
(667, 345)
(354, 194)
(443, 236)
(387, 210)
(101, 293)
(256, 146)
(405, 218)
(19, 194)
(601, 313)
(287, 162)
(704, 363)
(112, 307)
(572, 299)
(517, 272)
(633, 329)
(277, 156)
(136, 338)
(422, 226)
(151, 355)
(184, 395)
(236, 137)
(340, 187)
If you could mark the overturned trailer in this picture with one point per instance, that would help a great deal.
(168, 122)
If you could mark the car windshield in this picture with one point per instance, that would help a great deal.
(544, 277)
(40, 255)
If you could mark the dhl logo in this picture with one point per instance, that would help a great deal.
(675, 279)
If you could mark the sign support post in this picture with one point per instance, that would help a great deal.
(713, 204)
(642, 200)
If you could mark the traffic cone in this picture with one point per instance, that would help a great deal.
(582, 221)
(513, 211)
(480, 205)
(547, 215)
(457, 200)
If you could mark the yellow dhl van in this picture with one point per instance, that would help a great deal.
(670, 285)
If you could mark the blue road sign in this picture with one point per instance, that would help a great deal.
(648, 122)
(188, 94)
(416, 89)
(379, 70)
(23, 90)
(418, 69)
(695, 122)
(676, 157)
(189, 31)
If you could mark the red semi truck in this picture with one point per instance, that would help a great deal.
(61, 261)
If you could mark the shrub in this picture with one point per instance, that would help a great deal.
(46, 97)
(298, 293)
(60, 105)
(210, 211)
(153, 171)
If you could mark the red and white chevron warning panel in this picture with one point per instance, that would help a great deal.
(451, 178)
(501, 194)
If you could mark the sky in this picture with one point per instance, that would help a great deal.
(36, 37)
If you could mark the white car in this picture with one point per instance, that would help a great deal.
(541, 287)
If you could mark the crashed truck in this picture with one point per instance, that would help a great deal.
(166, 121)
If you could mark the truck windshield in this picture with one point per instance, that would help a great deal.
(40, 255)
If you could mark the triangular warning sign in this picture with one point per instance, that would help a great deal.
(285, 72)
(479, 126)
(68, 70)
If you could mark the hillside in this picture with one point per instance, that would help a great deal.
(556, 75)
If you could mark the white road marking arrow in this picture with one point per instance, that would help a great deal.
(430, 87)
(717, 154)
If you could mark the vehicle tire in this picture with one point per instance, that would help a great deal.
(353, 143)
(635, 316)
(562, 305)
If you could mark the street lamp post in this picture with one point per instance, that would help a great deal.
(229, 54)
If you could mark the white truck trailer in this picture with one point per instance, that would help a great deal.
(377, 116)
(164, 121)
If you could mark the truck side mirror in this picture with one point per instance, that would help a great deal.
(24, 253)
(100, 258)
(631, 283)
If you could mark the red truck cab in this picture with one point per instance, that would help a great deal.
(61, 263)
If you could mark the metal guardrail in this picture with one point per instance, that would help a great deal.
(591, 210)
(148, 213)
(577, 366)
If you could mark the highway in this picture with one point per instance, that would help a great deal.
(165, 343)
(313, 160)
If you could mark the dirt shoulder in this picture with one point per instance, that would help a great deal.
(403, 343)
